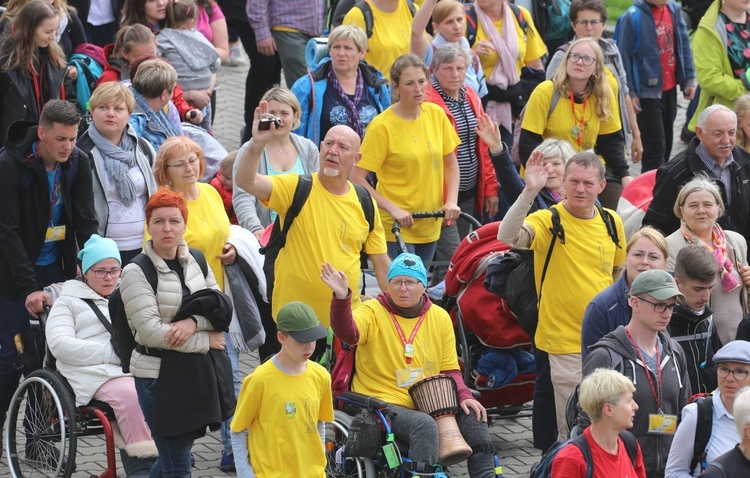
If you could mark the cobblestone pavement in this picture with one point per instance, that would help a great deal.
(512, 436)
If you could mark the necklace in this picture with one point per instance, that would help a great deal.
(413, 136)
(579, 126)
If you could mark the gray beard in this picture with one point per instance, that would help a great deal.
(331, 173)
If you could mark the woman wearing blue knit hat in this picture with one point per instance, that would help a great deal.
(79, 340)
(403, 338)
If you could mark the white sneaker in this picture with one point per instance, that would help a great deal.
(236, 56)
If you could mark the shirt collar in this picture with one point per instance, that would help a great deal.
(711, 162)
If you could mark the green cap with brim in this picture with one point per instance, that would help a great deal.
(299, 320)
(657, 283)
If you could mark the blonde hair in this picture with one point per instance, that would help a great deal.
(285, 96)
(174, 147)
(154, 77)
(349, 32)
(556, 148)
(741, 109)
(597, 86)
(112, 93)
(603, 385)
(445, 8)
(652, 235)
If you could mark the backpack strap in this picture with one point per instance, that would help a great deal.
(106, 323)
(631, 445)
(471, 23)
(553, 102)
(200, 258)
(365, 200)
(719, 467)
(519, 17)
(615, 360)
(557, 231)
(583, 445)
(301, 193)
(609, 222)
(143, 261)
(367, 15)
(703, 427)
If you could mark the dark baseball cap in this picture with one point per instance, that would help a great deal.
(299, 320)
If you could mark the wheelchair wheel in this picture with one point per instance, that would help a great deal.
(338, 465)
(40, 435)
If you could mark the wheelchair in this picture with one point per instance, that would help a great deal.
(43, 424)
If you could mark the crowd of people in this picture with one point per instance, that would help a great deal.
(106, 108)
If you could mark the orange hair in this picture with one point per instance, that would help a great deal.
(166, 198)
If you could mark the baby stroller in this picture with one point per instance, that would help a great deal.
(493, 349)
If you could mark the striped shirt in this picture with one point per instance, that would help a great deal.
(466, 121)
(304, 16)
(723, 174)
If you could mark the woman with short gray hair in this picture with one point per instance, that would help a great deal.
(342, 88)
(699, 205)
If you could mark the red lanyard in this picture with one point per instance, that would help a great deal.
(582, 125)
(38, 88)
(654, 389)
(408, 346)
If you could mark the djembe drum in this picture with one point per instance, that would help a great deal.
(437, 396)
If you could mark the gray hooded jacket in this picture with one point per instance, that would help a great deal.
(191, 55)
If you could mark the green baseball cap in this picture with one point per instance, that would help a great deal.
(299, 320)
(657, 283)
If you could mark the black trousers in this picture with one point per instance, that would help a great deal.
(265, 72)
(656, 122)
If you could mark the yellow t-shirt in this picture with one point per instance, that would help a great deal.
(329, 228)
(380, 351)
(407, 156)
(530, 45)
(282, 413)
(578, 271)
(567, 116)
(207, 229)
(391, 35)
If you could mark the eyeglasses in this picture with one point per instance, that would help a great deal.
(410, 284)
(660, 307)
(181, 165)
(586, 60)
(740, 374)
(585, 23)
(102, 273)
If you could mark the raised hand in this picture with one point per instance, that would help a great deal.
(334, 279)
(536, 172)
(489, 132)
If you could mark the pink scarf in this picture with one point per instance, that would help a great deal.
(719, 250)
(504, 73)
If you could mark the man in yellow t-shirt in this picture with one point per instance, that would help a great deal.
(391, 32)
(579, 268)
(331, 225)
(284, 405)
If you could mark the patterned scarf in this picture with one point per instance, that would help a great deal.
(352, 110)
(719, 250)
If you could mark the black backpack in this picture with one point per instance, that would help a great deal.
(510, 276)
(543, 469)
(123, 339)
(703, 426)
(277, 241)
(343, 7)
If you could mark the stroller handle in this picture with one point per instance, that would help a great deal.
(396, 229)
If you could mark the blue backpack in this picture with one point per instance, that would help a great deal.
(543, 469)
(558, 19)
(89, 72)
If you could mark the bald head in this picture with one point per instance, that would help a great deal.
(339, 152)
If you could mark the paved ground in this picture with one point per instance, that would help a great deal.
(512, 436)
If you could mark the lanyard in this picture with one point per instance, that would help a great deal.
(54, 193)
(579, 128)
(408, 346)
(654, 388)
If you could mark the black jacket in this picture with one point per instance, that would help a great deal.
(17, 101)
(196, 391)
(671, 176)
(698, 337)
(675, 390)
(24, 210)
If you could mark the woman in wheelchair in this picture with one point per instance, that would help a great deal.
(401, 338)
(80, 341)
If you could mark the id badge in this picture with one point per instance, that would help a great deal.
(659, 424)
(406, 377)
(54, 234)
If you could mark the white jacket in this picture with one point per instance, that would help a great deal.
(150, 315)
(80, 342)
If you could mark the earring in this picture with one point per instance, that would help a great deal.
(169, 182)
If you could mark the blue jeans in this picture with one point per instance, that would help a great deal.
(426, 251)
(174, 453)
(234, 357)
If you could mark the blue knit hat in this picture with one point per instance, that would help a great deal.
(97, 249)
(408, 265)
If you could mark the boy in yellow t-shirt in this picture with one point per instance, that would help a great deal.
(284, 404)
